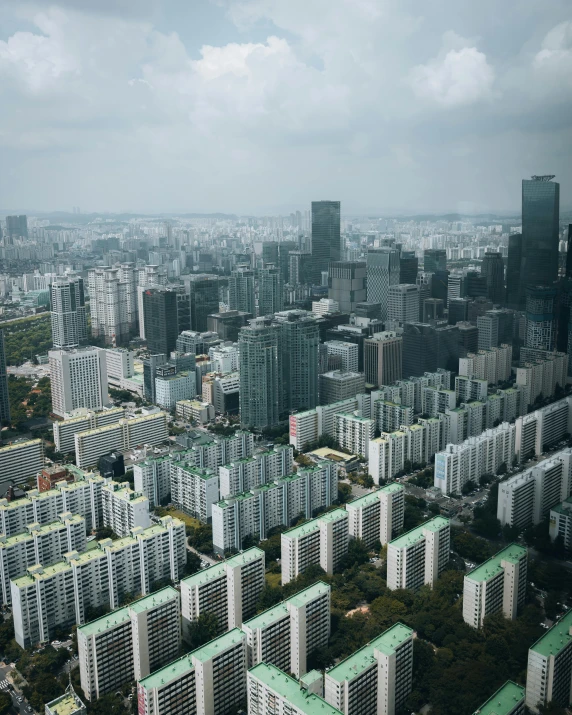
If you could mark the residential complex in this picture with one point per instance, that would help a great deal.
(418, 557)
(309, 426)
(377, 517)
(123, 509)
(354, 432)
(21, 460)
(65, 430)
(262, 468)
(508, 700)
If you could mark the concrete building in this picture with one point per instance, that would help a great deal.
(347, 283)
(260, 374)
(195, 411)
(377, 516)
(418, 557)
(541, 373)
(403, 305)
(123, 509)
(325, 306)
(152, 477)
(549, 670)
(286, 634)
(230, 590)
(383, 358)
(544, 427)
(382, 272)
(246, 474)
(79, 379)
(227, 324)
(21, 460)
(560, 523)
(378, 678)
(113, 303)
(508, 700)
(120, 367)
(310, 425)
(127, 644)
(387, 456)
(170, 389)
(338, 385)
(322, 541)
(468, 389)
(66, 704)
(488, 326)
(67, 307)
(390, 416)
(348, 352)
(270, 690)
(194, 490)
(496, 586)
(65, 430)
(494, 365)
(354, 432)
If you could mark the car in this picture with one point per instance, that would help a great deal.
(20, 699)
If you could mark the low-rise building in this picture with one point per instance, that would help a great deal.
(195, 411)
(67, 704)
(419, 556)
(66, 429)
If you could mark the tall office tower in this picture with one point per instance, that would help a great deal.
(550, 667)
(408, 267)
(347, 284)
(513, 262)
(260, 374)
(79, 379)
(497, 586)
(476, 284)
(203, 298)
(432, 309)
(468, 338)
(113, 305)
(241, 289)
(284, 249)
(440, 285)
(383, 355)
(434, 259)
(67, 305)
(493, 270)
(488, 326)
(299, 344)
(382, 272)
(326, 237)
(458, 310)
(16, 227)
(270, 252)
(403, 303)
(270, 291)
(418, 557)
(299, 268)
(540, 217)
(568, 269)
(456, 286)
(4, 398)
(166, 316)
(540, 323)
(147, 277)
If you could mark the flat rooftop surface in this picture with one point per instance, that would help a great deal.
(503, 701)
(492, 567)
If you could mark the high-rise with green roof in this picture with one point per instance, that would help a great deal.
(508, 700)
(377, 516)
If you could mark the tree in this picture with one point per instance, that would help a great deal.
(344, 492)
(469, 487)
(203, 630)
(5, 702)
(193, 564)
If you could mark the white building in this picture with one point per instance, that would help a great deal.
(21, 460)
(387, 456)
(543, 427)
(225, 358)
(310, 425)
(67, 306)
(79, 379)
(124, 509)
(325, 306)
(172, 388)
(120, 367)
(418, 557)
(65, 431)
(377, 516)
(403, 303)
(390, 416)
(492, 365)
(194, 490)
(262, 468)
(113, 303)
(496, 586)
(348, 352)
(560, 523)
(195, 411)
(354, 433)
(152, 478)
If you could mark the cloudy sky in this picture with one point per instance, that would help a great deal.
(260, 106)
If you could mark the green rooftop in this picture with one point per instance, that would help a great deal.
(157, 598)
(555, 639)
(245, 557)
(170, 672)
(289, 689)
(67, 704)
(503, 701)
(363, 658)
(271, 615)
(415, 535)
(218, 645)
(205, 575)
(492, 567)
(310, 526)
(110, 620)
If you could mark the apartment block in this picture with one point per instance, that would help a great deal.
(549, 669)
(390, 416)
(209, 681)
(418, 557)
(127, 644)
(508, 700)
(310, 425)
(377, 678)
(470, 388)
(39, 544)
(377, 516)
(210, 453)
(152, 478)
(65, 430)
(272, 691)
(493, 365)
(354, 433)
(124, 509)
(322, 541)
(561, 522)
(246, 474)
(436, 400)
(194, 490)
(286, 634)
(229, 590)
(275, 504)
(496, 586)
(387, 455)
(21, 461)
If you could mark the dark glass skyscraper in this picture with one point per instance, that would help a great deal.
(513, 270)
(493, 269)
(16, 227)
(326, 236)
(161, 320)
(434, 259)
(408, 267)
(203, 294)
(540, 215)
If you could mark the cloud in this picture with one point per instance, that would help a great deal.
(554, 60)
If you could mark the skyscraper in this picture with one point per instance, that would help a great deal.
(299, 342)
(326, 236)
(434, 259)
(260, 374)
(347, 284)
(16, 227)
(270, 290)
(513, 270)
(67, 306)
(79, 379)
(540, 317)
(241, 289)
(382, 272)
(203, 295)
(408, 267)
(113, 303)
(383, 355)
(540, 216)
(493, 269)
(161, 320)
(403, 303)
(4, 399)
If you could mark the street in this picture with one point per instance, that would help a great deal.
(19, 707)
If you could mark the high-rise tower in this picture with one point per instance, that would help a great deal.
(270, 289)
(67, 305)
(299, 348)
(513, 270)
(241, 289)
(382, 272)
(326, 236)
(260, 374)
(203, 293)
(493, 269)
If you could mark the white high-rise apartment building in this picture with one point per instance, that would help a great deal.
(378, 678)
(494, 365)
(209, 681)
(21, 460)
(549, 670)
(79, 379)
(194, 490)
(130, 643)
(65, 430)
(230, 590)
(390, 416)
(418, 557)
(403, 303)
(470, 388)
(496, 586)
(310, 425)
(377, 516)
(508, 700)
(348, 353)
(152, 478)
(354, 432)
(543, 427)
(270, 690)
(262, 468)
(387, 456)
(286, 634)
(322, 541)
(113, 305)
(124, 509)
(67, 306)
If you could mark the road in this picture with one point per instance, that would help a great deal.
(23, 708)
(204, 557)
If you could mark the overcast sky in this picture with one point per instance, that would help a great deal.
(260, 106)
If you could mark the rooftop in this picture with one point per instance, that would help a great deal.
(415, 535)
(205, 575)
(503, 701)
(288, 688)
(157, 598)
(67, 704)
(20, 445)
(245, 557)
(555, 639)
(218, 645)
(492, 567)
(110, 620)
(168, 673)
(314, 524)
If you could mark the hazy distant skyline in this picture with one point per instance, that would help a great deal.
(261, 106)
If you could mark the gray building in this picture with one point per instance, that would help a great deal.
(383, 356)
(326, 237)
(260, 374)
(347, 284)
(338, 385)
(382, 272)
(241, 289)
(227, 324)
(270, 290)
(203, 299)
(299, 344)
(4, 399)
(67, 306)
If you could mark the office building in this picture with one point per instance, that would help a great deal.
(549, 669)
(353, 432)
(299, 341)
(166, 315)
(496, 586)
(418, 557)
(170, 389)
(348, 352)
(383, 355)
(79, 379)
(120, 367)
(339, 385)
(67, 704)
(229, 590)
(21, 460)
(403, 305)
(286, 634)
(245, 474)
(492, 268)
(227, 324)
(225, 358)
(241, 290)
(129, 643)
(209, 681)
(4, 397)
(378, 678)
(382, 272)
(67, 307)
(324, 306)
(540, 317)
(203, 301)
(408, 267)
(488, 326)
(190, 341)
(270, 290)
(123, 509)
(377, 517)
(431, 309)
(16, 228)
(347, 284)
(326, 237)
(322, 541)
(434, 259)
(271, 690)
(508, 700)
(260, 374)
(226, 393)
(514, 298)
(195, 411)
(113, 303)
